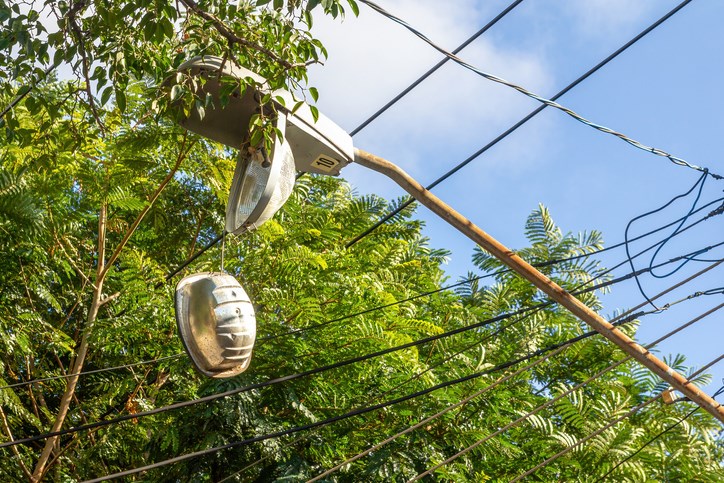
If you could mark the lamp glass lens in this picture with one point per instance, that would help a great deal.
(253, 184)
(284, 185)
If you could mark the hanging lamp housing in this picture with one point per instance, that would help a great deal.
(216, 322)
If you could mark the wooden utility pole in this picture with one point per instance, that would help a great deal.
(553, 290)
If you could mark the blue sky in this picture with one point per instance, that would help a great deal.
(665, 92)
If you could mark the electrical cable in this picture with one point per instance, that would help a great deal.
(659, 152)
(607, 426)
(506, 270)
(470, 398)
(647, 443)
(295, 376)
(420, 79)
(557, 398)
(373, 309)
(291, 377)
(524, 120)
(628, 314)
(700, 183)
(94, 371)
(623, 318)
(578, 291)
(21, 95)
(355, 412)
(432, 70)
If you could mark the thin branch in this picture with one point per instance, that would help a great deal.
(230, 36)
(15, 449)
(183, 152)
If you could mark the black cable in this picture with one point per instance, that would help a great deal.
(700, 183)
(288, 378)
(436, 67)
(539, 265)
(24, 93)
(360, 411)
(649, 149)
(527, 118)
(85, 373)
(669, 428)
(194, 257)
(424, 294)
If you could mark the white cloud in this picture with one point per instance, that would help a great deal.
(601, 18)
(454, 111)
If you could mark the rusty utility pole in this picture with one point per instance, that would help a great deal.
(555, 292)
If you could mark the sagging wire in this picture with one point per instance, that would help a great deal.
(415, 297)
(549, 102)
(628, 315)
(298, 375)
(633, 410)
(524, 120)
(349, 414)
(700, 184)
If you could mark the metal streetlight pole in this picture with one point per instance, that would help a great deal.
(550, 288)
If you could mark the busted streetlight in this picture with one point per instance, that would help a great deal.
(323, 147)
(304, 141)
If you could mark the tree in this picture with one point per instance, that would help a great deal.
(101, 197)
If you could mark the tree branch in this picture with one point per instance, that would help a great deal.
(15, 448)
(231, 36)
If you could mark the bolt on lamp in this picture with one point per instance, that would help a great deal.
(323, 147)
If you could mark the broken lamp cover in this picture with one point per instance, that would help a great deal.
(216, 322)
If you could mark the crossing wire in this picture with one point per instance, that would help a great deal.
(634, 410)
(630, 313)
(557, 398)
(523, 121)
(360, 411)
(659, 152)
(429, 293)
(451, 407)
(303, 374)
(427, 74)
(292, 377)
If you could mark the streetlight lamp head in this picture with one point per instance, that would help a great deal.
(262, 183)
(217, 323)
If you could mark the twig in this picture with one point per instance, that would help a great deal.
(229, 35)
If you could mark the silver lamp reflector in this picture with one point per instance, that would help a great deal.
(216, 322)
(261, 185)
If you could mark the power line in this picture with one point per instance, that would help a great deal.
(298, 375)
(700, 183)
(436, 67)
(623, 318)
(635, 273)
(659, 152)
(94, 371)
(520, 123)
(669, 428)
(551, 402)
(358, 411)
(424, 294)
(470, 398)
(605, 427)
(22, 93)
